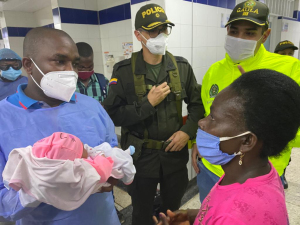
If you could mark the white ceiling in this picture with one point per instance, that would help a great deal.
(24, 5)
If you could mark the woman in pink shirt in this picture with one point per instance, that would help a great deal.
(252, 119)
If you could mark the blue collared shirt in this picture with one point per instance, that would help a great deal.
(21, 100)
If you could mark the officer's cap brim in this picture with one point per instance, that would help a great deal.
(294, 48)
(283, 47)
(157, 24)
(255, 21)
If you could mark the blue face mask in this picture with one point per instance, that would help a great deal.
(11, 74)
(209, 147)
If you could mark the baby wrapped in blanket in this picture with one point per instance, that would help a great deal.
(59, 170)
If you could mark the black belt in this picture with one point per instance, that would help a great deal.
(153, 144)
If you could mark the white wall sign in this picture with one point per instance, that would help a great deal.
(285, 27)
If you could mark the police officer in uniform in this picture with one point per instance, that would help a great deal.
(285, 48)
(145, 98)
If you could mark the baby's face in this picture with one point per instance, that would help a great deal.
(84, 153)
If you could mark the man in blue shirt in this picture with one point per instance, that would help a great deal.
(10, 77)
(47, 105)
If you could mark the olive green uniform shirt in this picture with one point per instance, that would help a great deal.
(154, 69)
(161, 121)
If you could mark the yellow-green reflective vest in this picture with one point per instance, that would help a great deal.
(222, 73)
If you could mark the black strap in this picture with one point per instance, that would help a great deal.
(103, 84)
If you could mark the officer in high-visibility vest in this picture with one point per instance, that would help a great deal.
(145, 98)
(247, 30)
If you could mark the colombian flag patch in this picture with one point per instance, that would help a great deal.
(113, 81)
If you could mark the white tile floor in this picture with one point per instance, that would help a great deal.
(292, 193)
(122, 198)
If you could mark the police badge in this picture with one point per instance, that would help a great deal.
(250, 4)
(214, 90)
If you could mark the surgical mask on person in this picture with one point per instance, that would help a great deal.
(84, 75)
(158, 45)
(209, 147)
(240, 49)
(11, 74)
(60, 85)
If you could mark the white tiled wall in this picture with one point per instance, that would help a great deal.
(181, 38)
(2, 20)
(24, 19)
(44, 16)
(78, 4)
(3, 24)
(297, 5)
(105, 4)
(208, 37)
(54, 4)
(19, 19)
(16, 44)
(275, 36)
(112, 36)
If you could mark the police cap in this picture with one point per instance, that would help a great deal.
(251, 10)
(151, 16)
(284, 45)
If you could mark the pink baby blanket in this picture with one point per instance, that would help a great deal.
(65, 184)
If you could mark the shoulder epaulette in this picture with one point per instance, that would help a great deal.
(181, 59)
(122, 63)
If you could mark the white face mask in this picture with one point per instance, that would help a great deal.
(158, 45)
(239, 49)
(60, 85)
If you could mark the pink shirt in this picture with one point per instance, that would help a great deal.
(258, 201)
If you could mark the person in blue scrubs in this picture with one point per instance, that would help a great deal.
(10, 75)
(46, 105)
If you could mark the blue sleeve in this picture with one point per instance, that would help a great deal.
(11, 208)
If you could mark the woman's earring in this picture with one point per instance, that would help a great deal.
(241, 159)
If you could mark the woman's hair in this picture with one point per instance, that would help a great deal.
(271, 104)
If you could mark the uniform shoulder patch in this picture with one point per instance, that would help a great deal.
(113, 81)
(180, 59)
(122, 63)
(214, 90)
